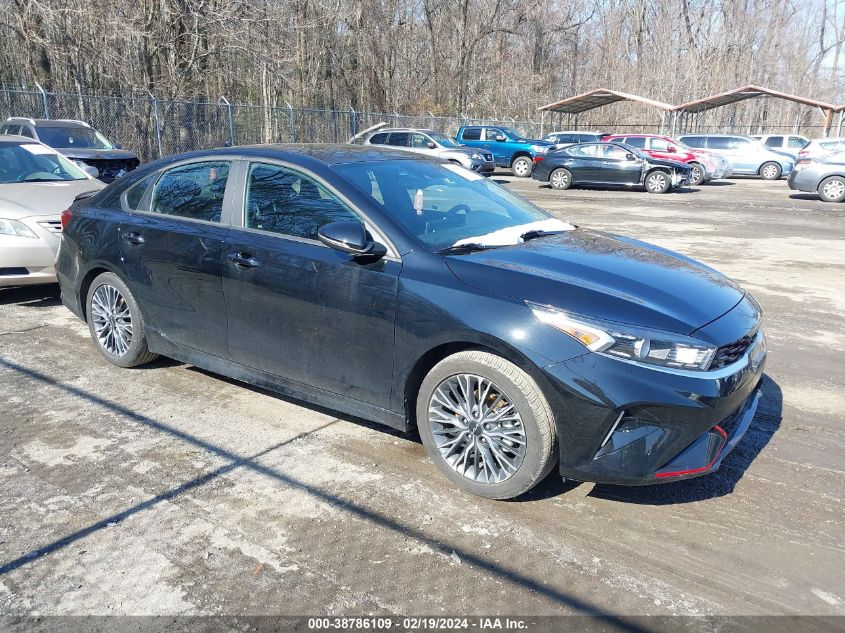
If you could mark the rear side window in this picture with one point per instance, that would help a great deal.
(797, 142)
(379, 139)
(774, 141)
(693, 141)
(635, 141)
(10, 129)
(133, 196)
(285, 201)
(25, 131)
(192, 191)
(399, 139)
(471, 134)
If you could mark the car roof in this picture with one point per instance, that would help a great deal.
(325, 154)
(714, 134)
(49, 122)
(423, 130)
(17, 139)
(575, 132)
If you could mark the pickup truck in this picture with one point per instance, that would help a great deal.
(509, 149)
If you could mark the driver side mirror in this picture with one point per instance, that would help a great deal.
(500, 137)
(671, 148)
(431, 145)
(347, 237)
(630, 157)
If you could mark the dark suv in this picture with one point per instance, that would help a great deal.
(78, 141)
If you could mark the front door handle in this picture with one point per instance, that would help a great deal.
(133, 237)
(243, 260)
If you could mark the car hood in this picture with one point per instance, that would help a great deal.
(24, 199)
(604, 276)
(85, 153)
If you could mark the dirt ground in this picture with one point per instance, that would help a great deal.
(169, 490)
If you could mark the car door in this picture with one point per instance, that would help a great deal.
(171, 248)
(586, 166)
(499, 148)
(738, 151)
(297, 308)
(617, 168)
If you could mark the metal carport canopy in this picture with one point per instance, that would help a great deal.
(598, 98)
(747, 92)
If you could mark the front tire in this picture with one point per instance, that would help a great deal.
(658, 181)
(770, 171)
(115, 322)
(522, 166)
(832, 189)
(486, 425)
(698, 175)
(561, 179)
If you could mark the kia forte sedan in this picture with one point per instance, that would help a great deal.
(418, 294)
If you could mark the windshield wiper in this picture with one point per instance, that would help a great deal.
(44, 180)
(462, 249)
(533, 235)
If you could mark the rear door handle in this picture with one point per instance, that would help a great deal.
(243, 260)
(133, 237)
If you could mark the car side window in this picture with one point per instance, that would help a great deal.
(774, 141)
(420, 140)
(192, 191)
(694, 141)
(11, 129)
(399, 139)
(491, 133)
(658, 144)
(282, 200)
(590, 151)
(720, 142)
(379, 139)
(635, 141)
(25, 131)
(133, 196)
(797, 142)
(471, 134)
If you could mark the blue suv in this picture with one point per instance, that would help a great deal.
(509, 149)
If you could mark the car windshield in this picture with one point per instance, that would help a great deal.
(446, 205)
(33, 162)
(444, 140)
(76, 137)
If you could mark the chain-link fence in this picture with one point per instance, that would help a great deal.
(153, 127)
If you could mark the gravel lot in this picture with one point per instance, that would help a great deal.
(169, 490)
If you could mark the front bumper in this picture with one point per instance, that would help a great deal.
(623, 423)
(26, 261)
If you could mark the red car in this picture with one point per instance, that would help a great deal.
(664, 148)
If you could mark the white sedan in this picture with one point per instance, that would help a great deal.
(36, 185)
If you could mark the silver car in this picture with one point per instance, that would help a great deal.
(748, 156)
(825, 176)
(820, 147)
(36, 185)
(788, 143)
(430, 143)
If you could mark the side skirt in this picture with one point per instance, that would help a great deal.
(294, 389)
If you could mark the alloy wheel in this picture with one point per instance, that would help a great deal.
(477, 428)
(656, 182)
(834, 189)
(560, 180)
(770, 172)
(112, 320)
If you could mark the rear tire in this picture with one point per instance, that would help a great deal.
(832, 189)
(658, 181)
(698, 175)
(561, 179)
(115, 322)
(770, 171)
(522, 166)
(486, 425)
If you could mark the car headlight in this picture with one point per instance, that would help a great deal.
(15, 227)
(639, 345)
(476, 156)
(540, 149)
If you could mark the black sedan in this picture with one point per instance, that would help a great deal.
(416, 293)
(613, 164)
